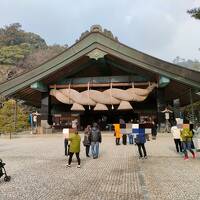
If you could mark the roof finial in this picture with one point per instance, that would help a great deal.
(97, 28)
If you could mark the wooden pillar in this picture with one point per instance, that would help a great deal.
(161, 104)
(192, 107)
(46, 118)
(176, 108)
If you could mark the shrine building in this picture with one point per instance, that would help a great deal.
(99, 79)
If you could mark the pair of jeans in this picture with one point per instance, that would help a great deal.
(167, 126)
(77, 156)
(178, 145)
(117, 141)
(187, 146)
(87, 149)
(130, 137)
(140, 148)
(95, 149)
(124, 139)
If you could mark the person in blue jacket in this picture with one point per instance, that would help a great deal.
(140, 140)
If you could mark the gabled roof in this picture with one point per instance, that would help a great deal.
(96, 39)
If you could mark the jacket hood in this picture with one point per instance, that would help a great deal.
(94, 128)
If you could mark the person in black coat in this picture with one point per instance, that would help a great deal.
(86, 141)
(95, 139)
(123, 127)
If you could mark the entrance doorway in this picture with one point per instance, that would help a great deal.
(105, 119)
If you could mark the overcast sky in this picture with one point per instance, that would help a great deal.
(161, 28)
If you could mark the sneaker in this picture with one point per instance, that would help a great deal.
(193, 155)
(78, 166)
(68, 165)
(140, 157)
(145, 157)
(186, 158)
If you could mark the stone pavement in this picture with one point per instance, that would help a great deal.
(167, 175)
(38, 170)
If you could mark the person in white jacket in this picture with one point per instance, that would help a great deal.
(197, 130)
(66, 138)
(176, 134)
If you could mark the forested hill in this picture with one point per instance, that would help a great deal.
(191, 64)
(21, 50)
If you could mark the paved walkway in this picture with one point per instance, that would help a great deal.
(38, 170)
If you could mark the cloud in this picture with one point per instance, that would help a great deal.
(159, 28)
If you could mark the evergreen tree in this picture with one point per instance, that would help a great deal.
(8, 121)
(195, 12)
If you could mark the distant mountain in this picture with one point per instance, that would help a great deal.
(20, 50)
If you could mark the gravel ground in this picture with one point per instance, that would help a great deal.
(37, 166)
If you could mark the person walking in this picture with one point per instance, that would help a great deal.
(86, 141)
(196, 136)
(186, 137)
(154, 128)
(197, 130)
(140, 140)
(117, 133)
(176, 135)
(66, 137)
(129, 132)
(130, 138)
(95, 139)
(123, 131)
(167, 117)
(75, 140)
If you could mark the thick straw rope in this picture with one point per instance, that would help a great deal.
(112, 96)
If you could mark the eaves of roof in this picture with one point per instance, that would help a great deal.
(97, 40)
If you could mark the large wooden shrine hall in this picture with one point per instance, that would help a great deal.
(100, 79)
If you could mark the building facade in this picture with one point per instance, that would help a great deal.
(100, 79)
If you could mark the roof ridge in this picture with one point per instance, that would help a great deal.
(98, 29)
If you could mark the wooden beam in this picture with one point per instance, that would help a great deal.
(98, 85)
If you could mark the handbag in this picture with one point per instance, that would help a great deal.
(84, 143)
(136, 140)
